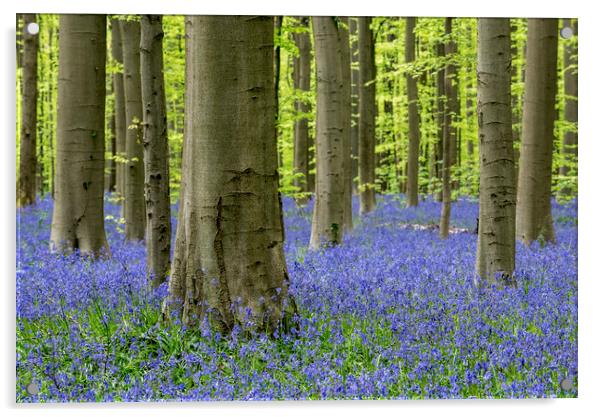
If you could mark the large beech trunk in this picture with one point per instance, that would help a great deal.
(533, 212)
(497, 189)
(229, 264)
(78, 215)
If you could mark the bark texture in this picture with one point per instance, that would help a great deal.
(449, 131)
(569, 142)
(156, 152)
(367, 110)
(343, 27)
(134, 205)
(229, 264)
(328, 221)
(414, 132)
(533, 213)
(120, 122)
(301, 83)
(26, 190)
(355, 100)
(497, 189)
(78, 215)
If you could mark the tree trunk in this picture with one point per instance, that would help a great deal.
(229, 264)
(278, 28)
(449, 132)
(301, 83)
(134, 207)
(414, 132)
(440, 121)
(29, 99)
(346, 115)
(569, 143)
(120, 121)
(329, 209)
(367, 141)
(78, 215)
(156, 152)
(112, 179)
(452, 108)
(355, 99)
(497, 190)
(533, 214)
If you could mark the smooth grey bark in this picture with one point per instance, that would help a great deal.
(26, 189)
(301, 83)
(156, 151)
(496, 239)
(367, 115)
(343, 28)
(570, 139)
(278, 31)
(119, 107)
(414, 132)
(328, 223)
(533, 213)
(134, 205)
(78, 214)
(449, 131)
(355, 100)
(229, 264)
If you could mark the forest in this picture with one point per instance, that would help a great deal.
(295, 208)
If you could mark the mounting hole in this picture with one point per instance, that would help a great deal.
(566, 32)
(32, 388)
(566, 384)
(33, 28)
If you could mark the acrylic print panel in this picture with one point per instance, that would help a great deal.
(295, 208)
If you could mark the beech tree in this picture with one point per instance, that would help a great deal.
(367, 115)
(119, 108)
(414, 132)
(26, 189)
(343, 27)
(497, 189)
(449, 130)
(355, 100)
(229, 264)
(301, 83)
(78, 214)
(156, 153)
(533, 212)
(328, 221)
(134, 205)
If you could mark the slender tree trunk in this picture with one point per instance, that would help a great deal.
(134, 206)
(78, 215)
(329, 209)
(440, 120)
(367, 140)
(355, 99)
(156, 151)
(449, 132)
(414, 132)
(346, 115)
(229, 264)
(301, 83)
(120, 121)
(112, 180)
(29, 98)
(452, 108)
(497, 190)
(533, 214)
(569, 143)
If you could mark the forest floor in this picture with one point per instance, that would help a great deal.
(391, 313)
